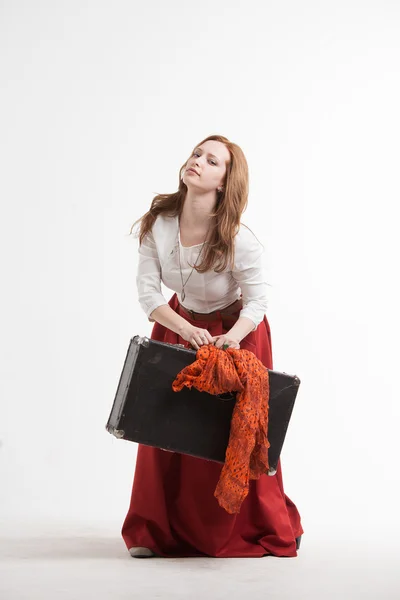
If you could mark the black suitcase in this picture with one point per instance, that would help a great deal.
(146, 410)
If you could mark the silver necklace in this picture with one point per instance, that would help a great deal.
(183, 295)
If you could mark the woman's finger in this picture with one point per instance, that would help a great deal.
(194, 344)
(199, 339)
(202, 337)
(209, 337)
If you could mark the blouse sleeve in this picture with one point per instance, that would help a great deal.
(250, 273)
(148, 278)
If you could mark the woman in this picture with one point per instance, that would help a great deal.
(194, 242)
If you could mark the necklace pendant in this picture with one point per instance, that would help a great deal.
(183, 295)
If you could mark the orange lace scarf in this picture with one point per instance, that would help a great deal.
(219, 371)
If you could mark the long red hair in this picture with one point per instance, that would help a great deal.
(230, 205)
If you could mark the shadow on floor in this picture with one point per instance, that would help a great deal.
(63, 548)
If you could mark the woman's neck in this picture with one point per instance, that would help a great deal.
(196, 211)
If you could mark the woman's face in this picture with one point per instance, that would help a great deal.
(209, 160)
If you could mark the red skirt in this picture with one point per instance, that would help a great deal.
(173, 510)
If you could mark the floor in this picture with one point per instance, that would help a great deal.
(97, 566)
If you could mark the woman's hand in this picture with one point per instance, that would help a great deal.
(196, 336)
(225, 340)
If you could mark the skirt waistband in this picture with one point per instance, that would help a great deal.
(227, 311)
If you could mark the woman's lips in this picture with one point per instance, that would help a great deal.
(192, 171)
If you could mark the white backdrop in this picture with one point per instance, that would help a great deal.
(101, 102)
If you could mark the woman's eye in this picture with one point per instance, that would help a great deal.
(211, 160)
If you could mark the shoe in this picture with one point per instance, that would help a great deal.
(140, 552)
(298, 540)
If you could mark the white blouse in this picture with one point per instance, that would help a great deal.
(205, 292)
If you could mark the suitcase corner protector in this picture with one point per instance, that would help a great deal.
(142, 341)
(118, 433)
